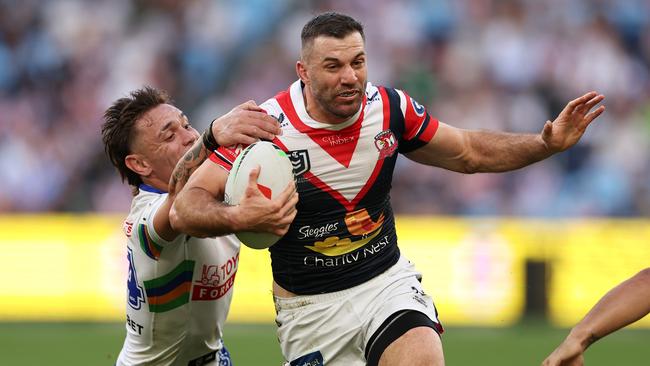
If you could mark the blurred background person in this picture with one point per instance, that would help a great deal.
(490, 64)
(61, 62)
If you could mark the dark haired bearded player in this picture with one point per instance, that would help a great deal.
(343, 293)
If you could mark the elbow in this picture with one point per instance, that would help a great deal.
(180, 224)
(468, 165)
(176, 220)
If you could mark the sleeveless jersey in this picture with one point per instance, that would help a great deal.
(344, 231)
(178, 292)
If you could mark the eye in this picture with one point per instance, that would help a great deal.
(187, 126)
(170, 137)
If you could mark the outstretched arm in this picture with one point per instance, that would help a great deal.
(623, 305)
(471, 151)
(244, 124)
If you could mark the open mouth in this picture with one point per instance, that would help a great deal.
(348, 94)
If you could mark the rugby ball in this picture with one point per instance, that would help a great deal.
(276, 172)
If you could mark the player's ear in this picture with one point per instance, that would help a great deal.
(138, 164)
(301, 70)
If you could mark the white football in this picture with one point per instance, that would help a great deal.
(275, 173)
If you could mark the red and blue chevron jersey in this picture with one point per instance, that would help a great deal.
(344, 232)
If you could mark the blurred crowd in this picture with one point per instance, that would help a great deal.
(501, 64)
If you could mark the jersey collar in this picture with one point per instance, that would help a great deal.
(148, 188)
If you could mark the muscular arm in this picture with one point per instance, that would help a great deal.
(622, 305)
(184, 168)
(244, 124)
(198, 209)
(468, 151)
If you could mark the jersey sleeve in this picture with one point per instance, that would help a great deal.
(225, 156)
(148, 239)
(419, 126)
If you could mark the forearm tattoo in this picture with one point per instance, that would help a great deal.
(186, 166)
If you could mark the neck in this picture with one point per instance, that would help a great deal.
(155, 183)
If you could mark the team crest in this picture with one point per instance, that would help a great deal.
(386, 143)
(300, 161)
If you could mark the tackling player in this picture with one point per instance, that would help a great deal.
(622, 305)
(344, 294)
(179, 287)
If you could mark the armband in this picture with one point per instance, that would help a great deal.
(209, 141)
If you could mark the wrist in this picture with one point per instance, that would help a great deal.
(582, 337)
(547, 151)
(209, 141)
(233, 217)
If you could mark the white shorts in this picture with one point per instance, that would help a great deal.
(334, 328)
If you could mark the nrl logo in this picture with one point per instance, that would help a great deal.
(300, 161)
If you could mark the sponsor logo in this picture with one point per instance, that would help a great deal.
(347, 258)
(128, 228)
(419, 109)
(311, 359)
(135, 294)
(386, 143)
(420, 296)
(216, 280)
(373, 98)
(282, 120)
(300, 161)
(133, 325)
(317, 232)
(335, 140)
(358, 223)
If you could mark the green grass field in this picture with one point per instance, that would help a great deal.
(55, 344)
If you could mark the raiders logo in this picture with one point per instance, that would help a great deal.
(300, 161)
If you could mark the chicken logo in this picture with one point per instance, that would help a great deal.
(358, 223)
(386, 143)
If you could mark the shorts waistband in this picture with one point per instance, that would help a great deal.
(304, 300)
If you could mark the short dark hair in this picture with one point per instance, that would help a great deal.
(330, 24)
(119, 126)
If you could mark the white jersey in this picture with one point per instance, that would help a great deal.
(178, 293)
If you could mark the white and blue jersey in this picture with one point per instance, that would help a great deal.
(178, 292)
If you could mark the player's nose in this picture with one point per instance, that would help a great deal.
(348, 75)
(190, 136)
